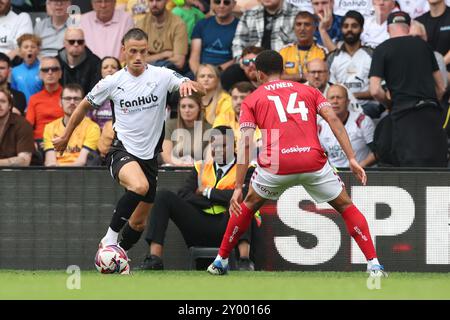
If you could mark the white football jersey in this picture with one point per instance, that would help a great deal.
(360, 129)
(351, 71)
(365, 7)
(138, 105)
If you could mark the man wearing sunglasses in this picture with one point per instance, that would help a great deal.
(51, 29)
(79, 64)
(212, 37)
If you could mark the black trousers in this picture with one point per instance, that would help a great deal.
(419, 139)
(197, 227)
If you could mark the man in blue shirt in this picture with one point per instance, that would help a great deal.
(329, 23)
(212, 37)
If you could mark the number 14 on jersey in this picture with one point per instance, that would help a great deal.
(291, 107)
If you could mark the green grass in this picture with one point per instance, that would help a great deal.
(192, 285)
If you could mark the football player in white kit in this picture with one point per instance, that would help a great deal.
(138, 96)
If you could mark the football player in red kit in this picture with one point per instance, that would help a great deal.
(286, 112)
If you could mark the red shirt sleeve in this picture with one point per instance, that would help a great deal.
(321, 101)
(247, 114)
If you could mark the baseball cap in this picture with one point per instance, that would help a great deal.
(399, 17)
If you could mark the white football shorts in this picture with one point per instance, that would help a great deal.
(323, 185)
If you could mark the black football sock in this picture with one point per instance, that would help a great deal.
(124, 209)
(129, 237)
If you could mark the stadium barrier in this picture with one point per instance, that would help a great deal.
(53, 218)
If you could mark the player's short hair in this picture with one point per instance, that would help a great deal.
(252, 49)
(4, 57)
(74, 87)
(270, 62)
(306, 14)
(243, 86)
(29, 36)
(136, 34)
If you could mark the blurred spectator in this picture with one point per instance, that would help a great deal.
(328, 32)
(302, 5)
(16, 135)
(25, 77)
(167, 36)
(244, 70)
(84, 5)
(184, 140)
(360, 129)
(238, 92)
(205, 198)
(216, 101)
(437, 24)
(268, 25)
(350, 64)
(108, 66)
(105, 141)
(79, 64)
(364, 7)
(104, 20)
(136, 8)
(51, 29)
(12, 26)
(318, 75)
(414, 8)
(28, 5)
(83, 141)
(44, 106)
(189, 14)
(212, 37)
(244, 5)
(417, 29)
(19, 100)
(413, 96)
(296, 55)
(375, 27)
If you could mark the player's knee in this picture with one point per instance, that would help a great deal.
(139, 187)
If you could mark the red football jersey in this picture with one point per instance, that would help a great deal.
(286, 113)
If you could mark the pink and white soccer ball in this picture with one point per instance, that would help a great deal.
(112, 259)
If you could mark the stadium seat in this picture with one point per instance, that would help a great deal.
(196, 253)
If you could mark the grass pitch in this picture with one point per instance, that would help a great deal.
(193, 285)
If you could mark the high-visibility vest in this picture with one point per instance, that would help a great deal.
(208, 178)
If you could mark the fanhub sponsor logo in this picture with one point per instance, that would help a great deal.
(138, 102)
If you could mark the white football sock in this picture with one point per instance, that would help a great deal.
(223, 261)
(110, 238)
(373, 261)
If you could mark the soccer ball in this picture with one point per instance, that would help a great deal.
(112, 259)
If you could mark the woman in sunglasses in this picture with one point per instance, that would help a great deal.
(216, 101)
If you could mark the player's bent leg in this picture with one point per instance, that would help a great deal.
(136, 225)
(358, 229)
(130, 176)
(237, 225)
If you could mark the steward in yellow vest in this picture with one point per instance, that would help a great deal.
(200, 207)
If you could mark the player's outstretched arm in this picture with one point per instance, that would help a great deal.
(188, 88)
(60, 143)
(341, 135)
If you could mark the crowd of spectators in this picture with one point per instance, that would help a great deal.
(345, 49)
